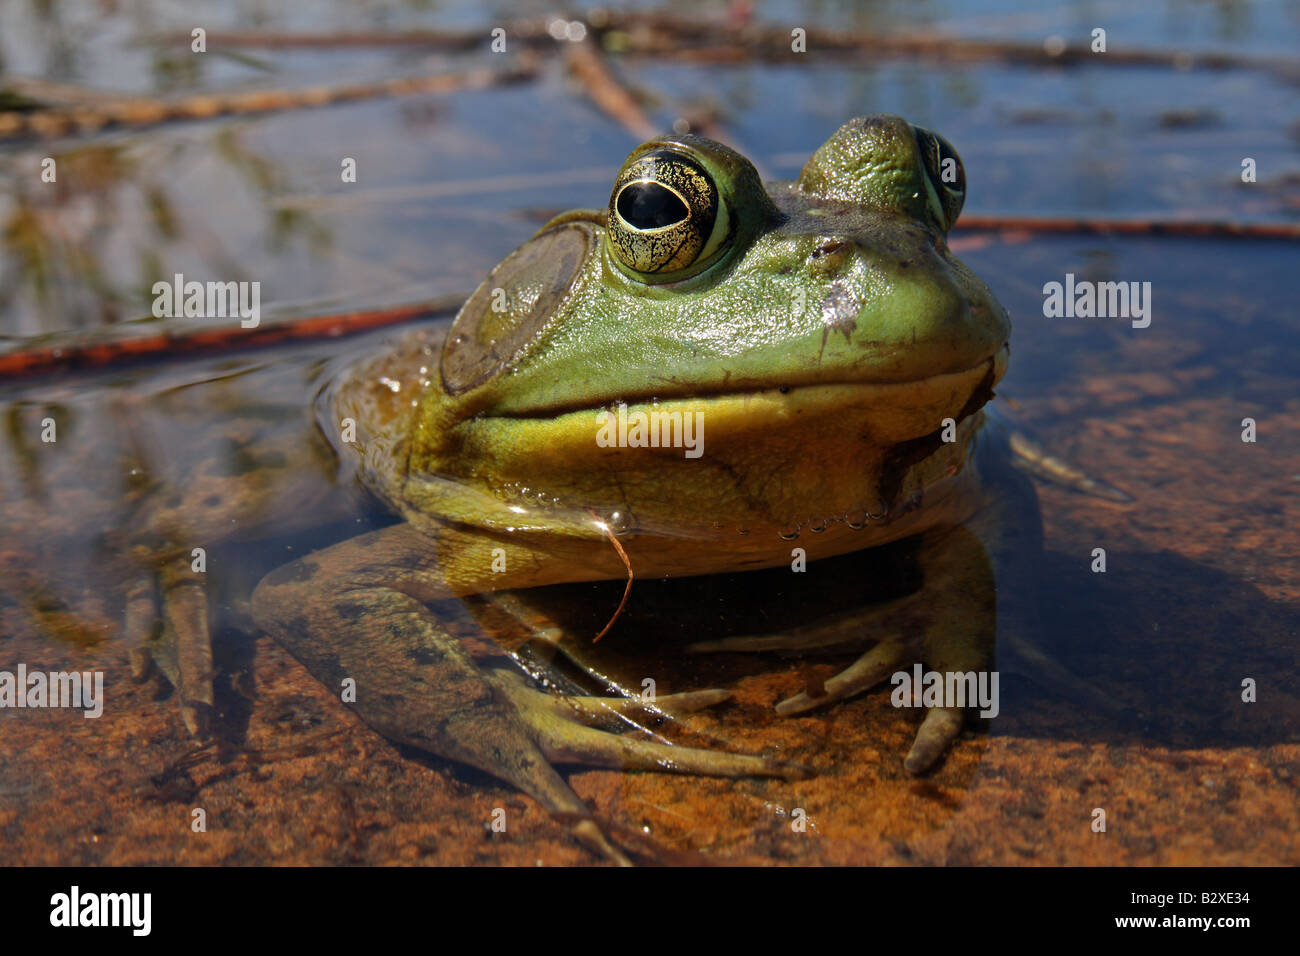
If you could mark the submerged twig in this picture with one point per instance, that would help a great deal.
(101, 111)
(1134, 227)
(673, 36)
(587, 65)
(142, 342)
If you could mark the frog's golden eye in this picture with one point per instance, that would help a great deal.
(946, 174)
(666, 217)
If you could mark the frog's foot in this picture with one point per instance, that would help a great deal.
(557, 726)
(941, 726)
(938, 730)
(948, 624)
(887, 657)
(1033, 458)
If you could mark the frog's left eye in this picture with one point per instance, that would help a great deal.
(946, 174)
(666, 217)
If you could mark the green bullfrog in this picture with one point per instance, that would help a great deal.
(709, 376)
(806, 362)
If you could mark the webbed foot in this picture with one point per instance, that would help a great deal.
(941, 726)
(559, 726)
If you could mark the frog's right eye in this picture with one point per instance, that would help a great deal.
(946, 174)
(666, 219)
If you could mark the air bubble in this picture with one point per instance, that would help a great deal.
(620, 522)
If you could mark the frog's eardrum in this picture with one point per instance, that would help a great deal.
(513, 304)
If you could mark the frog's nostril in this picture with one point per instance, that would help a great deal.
(830, 247)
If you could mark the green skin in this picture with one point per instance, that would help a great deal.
(826, 339)
(837, 354)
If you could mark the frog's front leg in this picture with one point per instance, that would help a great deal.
(948, 625)
(979, 581)
(358, 610)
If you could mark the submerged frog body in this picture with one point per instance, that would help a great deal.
(815, 364)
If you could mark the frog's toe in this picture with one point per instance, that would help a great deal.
(938, 730)
(867, 671)
(563, 739)
(672, 705)
(590, 834)
(574, 743)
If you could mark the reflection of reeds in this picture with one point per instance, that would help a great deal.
(21, 426)
(50, 233)
(56, 238)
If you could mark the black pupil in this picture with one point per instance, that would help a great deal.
(650, 206)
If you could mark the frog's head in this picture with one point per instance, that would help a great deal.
(816, 328)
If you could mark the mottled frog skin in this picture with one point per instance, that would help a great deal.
(833, 355)
(822, 332)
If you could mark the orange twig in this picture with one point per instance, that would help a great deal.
(627, 563)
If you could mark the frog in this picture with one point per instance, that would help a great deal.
(836, 360)
(712, 375)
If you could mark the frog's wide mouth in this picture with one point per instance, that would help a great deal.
(939, 387)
